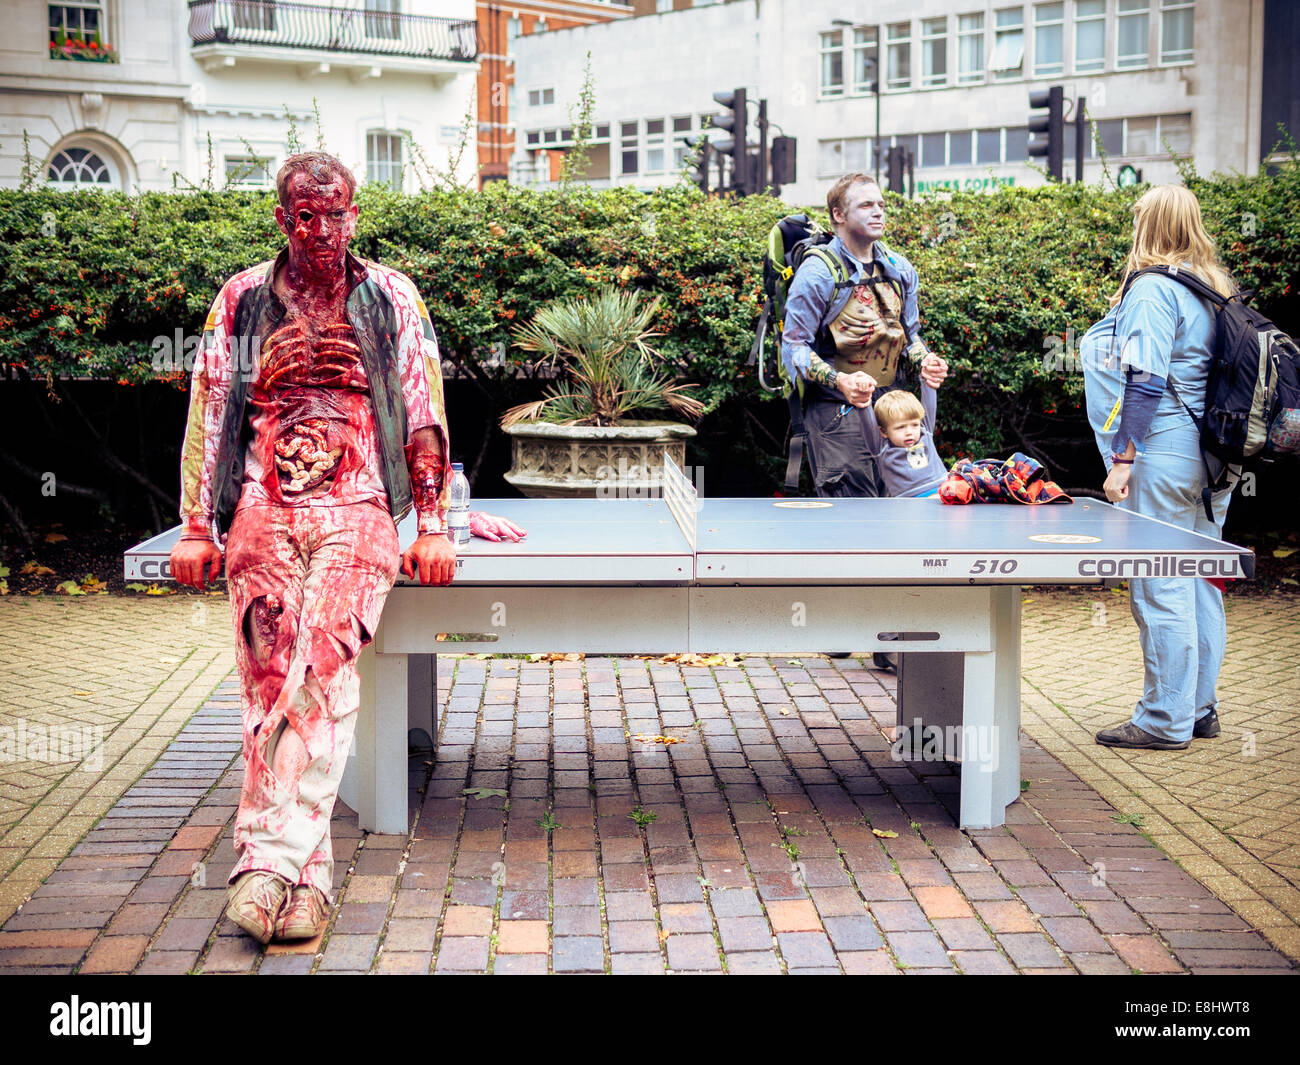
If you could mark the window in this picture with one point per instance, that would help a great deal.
(1089, 35)
(73, 168)
(254, 15)
(540, 97)
(900, 56)
(602, 132)
(836, 158)
(832, 53)
(1131, 20)
(933, 147)
(866, 54)
(383, 20)
(534, 137)
(1140, 137)
(1176, 133)
(1018, 144)
(248, 170)
(654, 146)
(629, 159)
(910, 143)
(934, 51)
(539, 26)
(681, 130)
(1049, 34)
(551, 136)
(514, 28)
(384, 158)
(1111, 132)
(1008, 43)
(76, 21)
(1176, 18)
(959, 148)
(970, 48)
(663, 5)
(988, 146)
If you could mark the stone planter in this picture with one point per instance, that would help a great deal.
(575, 461)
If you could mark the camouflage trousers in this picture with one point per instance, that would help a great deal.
(307, 586)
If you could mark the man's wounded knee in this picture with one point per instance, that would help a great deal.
(262, 627)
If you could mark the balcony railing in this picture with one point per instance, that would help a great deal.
(334, 29)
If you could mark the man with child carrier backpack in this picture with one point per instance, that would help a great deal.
(844, 308)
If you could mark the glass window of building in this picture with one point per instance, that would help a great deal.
(1111, 132)
(654, 146)
(1140, 136)
(1008, 43)
(1017, 144)
(959, 148)
(73, 168)
(934, 52)
(832, 56)
(1176, 18)
(1176, 134)
(900, 56)
(384, 158)
(988, 146)
(629, 154)
(383, 18)
(1089, 35)
(933, 149)
(1132, 18)
(866, 55)
(248, 171)
(1049, 39)
(970, 48)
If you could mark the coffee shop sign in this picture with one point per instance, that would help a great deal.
(970, 184)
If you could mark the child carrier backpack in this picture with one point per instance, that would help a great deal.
(790, 243)
(1252, 393)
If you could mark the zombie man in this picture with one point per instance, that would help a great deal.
(316, 422)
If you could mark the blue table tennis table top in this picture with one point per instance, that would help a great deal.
(764, 540)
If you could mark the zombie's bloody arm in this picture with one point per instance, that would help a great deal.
(209, 387)
(428, 451)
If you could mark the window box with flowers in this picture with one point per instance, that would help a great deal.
(81, 50)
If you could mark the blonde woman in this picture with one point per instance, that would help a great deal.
(1155, 468)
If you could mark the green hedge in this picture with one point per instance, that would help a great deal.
(89, 280)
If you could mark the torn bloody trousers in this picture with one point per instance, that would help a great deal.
(307, 587)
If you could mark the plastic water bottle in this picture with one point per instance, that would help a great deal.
(458, 512)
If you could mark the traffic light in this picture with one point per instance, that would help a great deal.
(735, 122)
(699, 160)
(783, 151)
(1053, 124)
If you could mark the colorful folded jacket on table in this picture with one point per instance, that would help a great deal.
(1018, 479)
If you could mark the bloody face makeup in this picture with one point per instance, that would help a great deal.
(319, 221)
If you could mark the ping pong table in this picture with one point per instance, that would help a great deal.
(678, 573)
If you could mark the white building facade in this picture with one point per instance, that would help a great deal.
(153, 94)
(1161, 77)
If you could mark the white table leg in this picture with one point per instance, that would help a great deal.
(990, 778)
(381, 745)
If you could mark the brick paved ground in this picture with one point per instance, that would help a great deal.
(131, 673)
(779, 835)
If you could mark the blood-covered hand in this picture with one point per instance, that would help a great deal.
(493, 528)
(193, 560)
(433, 557)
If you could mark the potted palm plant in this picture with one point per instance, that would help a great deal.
(588, 435)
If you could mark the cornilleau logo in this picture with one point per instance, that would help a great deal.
(79, 1018)
(1160, 566)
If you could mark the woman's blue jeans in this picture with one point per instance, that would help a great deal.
(1180, 621)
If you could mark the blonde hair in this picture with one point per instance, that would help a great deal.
(898, 406)
(839, 193)
(1168, 231)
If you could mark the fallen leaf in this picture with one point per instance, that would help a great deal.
(33, 569)
(657, 739)
(78, 691)
(136, 587)
(663, 935)
(1284, 552)
(885, 833)
(785, 712)
(1290, 580)
(160, 589)
(69, 588)
(54, 538)
(484, 793)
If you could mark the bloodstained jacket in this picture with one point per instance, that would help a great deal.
(393, 331)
